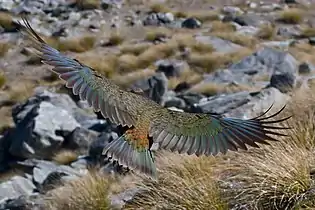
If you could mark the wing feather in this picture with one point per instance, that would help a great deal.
(211, 134)
(103, 95)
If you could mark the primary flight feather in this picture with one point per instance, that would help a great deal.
(148, 122)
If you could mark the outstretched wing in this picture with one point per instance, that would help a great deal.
(120, 106)
(209, 134)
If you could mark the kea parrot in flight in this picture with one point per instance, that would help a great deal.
(147, 122)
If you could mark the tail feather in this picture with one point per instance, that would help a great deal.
(140, 160)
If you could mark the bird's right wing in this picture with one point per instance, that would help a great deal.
(120, 106)
(206, 134)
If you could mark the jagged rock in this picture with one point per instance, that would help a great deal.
(42, 131)
(16, 187)
(80, 139)
(154, 87)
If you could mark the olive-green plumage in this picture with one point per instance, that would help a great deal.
(148, 122)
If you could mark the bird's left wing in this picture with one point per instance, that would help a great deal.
(120, 106)
(208, 134)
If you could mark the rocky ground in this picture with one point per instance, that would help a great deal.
(234, 58)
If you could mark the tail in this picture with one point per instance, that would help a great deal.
(139, 158)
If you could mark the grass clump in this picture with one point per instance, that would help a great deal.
(4, 48)
(134, 49)
(204, 16)
(88, 4)
(209, 62)
(6, 21)
(127, 63)
(219, 26)
(106, 65)
(78, 45)
(89, 193)
(291, 16)
(266, 32)
(159, 8)
(274, 177)
(65, 157)
(3, 79)
(308, 32)
(115, 39)
(155, 53)
(157, 34)
(184, 183)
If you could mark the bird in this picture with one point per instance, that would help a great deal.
(148, 122)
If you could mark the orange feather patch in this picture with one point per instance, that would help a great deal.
(138, 137)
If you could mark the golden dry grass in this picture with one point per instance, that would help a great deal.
(291, 16)
(6, 21)
(87, 193)
(157, 33)
(115, 39)
(21, 91)
(204, 15)
(182, 185)
(4, 48)
(159, 8)
(308, 32)
(266, 32)
(88, 4)
(79, 44)
(209, 62)
(134, 49)
(104, 64)
(65, 157)
(219, 26)
(3, 79)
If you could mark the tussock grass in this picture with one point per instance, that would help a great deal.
(6, 21)
(134, 49)
(115, 39)
(155, 53)
(219, 26)
(157, 34)
(159, 8)
(89, 193)
(21, 91)
(273, 177)
(291, 16)
(65, 157)
(3, 79)
(4, 48)
(80, 44)
(204, 15)
(127, 63)
(266, 32)
(208, 62)
(88, 4)
(103, 64)
(182, 185)
(308, 32)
